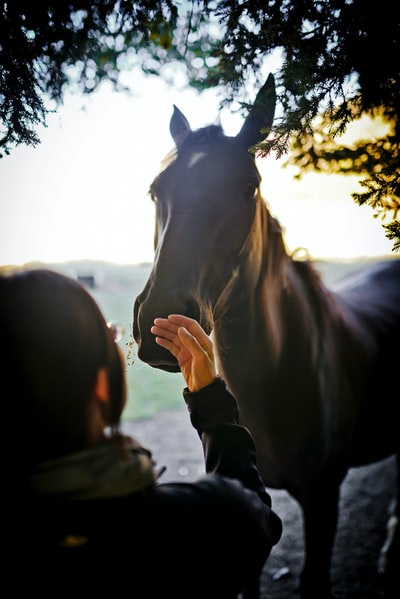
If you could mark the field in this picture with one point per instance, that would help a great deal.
(115, 288)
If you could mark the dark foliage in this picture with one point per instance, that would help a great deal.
(338, 62)
(46, 46)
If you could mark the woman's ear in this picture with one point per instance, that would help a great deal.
(102, 386)
(99, 407)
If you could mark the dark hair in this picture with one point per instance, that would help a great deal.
(53, 341)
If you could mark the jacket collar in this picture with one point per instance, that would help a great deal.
(115, 468)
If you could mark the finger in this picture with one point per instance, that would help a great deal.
(169, 345)
(168, 338)
(162, 332)
(191, 325)
(205, 371)
(181, 320)
(190, 342)
(165, 323)
(163, 328)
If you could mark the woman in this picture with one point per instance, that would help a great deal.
(92, 515)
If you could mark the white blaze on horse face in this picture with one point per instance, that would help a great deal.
(195, 157)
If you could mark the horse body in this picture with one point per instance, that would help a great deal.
(308, 365)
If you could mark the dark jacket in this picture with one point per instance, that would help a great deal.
(100, 523)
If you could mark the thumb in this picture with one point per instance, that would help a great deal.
(189, 341)
(186, 337)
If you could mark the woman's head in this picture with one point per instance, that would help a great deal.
(54, 342)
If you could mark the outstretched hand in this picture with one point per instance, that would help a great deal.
(191, 346)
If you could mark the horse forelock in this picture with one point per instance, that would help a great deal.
(195, 146)
(203, 138)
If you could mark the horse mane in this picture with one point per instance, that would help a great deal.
(318, 297)
(285, 275)
(167, 160)
(273, 276)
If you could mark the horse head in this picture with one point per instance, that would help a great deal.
(205, 197)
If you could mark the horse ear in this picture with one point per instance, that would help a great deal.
(261, 115)
(179, 126)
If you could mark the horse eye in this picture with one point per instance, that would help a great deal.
(251, 189)
(152, 196)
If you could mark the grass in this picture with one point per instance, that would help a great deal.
(116, 286)
(149, 390)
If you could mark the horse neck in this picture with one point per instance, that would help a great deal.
(248, 306)
(278, 298)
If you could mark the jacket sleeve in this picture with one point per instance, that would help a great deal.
(228, 447)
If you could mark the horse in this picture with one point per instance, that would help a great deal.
(313, 368)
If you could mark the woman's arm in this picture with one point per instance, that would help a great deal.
(228, 447)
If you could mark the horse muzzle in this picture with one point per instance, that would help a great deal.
(147, 349)
(145, 311)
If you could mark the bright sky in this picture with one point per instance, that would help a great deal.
(82, 193)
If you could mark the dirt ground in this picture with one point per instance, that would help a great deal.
(367, 496)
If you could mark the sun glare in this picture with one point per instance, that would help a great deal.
(82, 193)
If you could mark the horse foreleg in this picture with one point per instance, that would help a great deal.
(320, 513)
